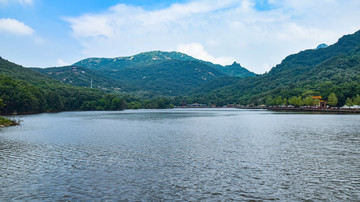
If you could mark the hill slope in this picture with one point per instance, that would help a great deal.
(84, 77)
(334, 68)
(23, 90)
(173, 77)
(142, 59)
(18, 72)
(163, 73)
(155, 57)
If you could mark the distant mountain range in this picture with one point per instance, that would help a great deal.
(156, 72)
(153, 58)
(321, 71)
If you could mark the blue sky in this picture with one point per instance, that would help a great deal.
(256, 33)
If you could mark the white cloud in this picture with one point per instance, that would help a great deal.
(91, 26)
(196, 50)
(61, 63)
(13, 26)
(232, 28)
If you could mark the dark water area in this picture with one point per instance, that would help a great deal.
(181, 154)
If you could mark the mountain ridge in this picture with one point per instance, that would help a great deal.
(156, 72)
(297, 74)
(154, 57)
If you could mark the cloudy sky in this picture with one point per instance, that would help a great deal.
(258, 34)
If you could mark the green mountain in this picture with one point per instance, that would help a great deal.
(84, 77)
(332, 72)
(236, 70)
(333, 69)
(23, 90)
(173, 77)
(18, 72)
(142, 59)
(156, 57)
(163, 73)
(214, 84)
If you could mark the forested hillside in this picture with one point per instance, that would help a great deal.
(147, 74)
(163, 73)
(109, 65)
(169, 77)
(334, 69)
(25, 91)
(332, 72)
(84, 77)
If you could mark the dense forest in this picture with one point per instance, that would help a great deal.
(163, 73)
(166, 79)
(333, 70)
(146, 75)
(143, 60)
(84, 77)
(25, 91)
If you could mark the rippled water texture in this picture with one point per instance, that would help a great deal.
(181, 154)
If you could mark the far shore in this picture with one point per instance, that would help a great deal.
(5, 122)
(316, 110)
(288, 109)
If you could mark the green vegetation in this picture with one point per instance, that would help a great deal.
(25, 91)
(109, 65)
(169, 77)
(2, 104)
(332, 100)
(236, 70)
(84, 77)
(353, 101)
(23, 97)
(334, 69)
(165, 79)
(142, 59)
(6, 122)
(162, 73)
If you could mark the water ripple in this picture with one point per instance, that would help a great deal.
(191, 156)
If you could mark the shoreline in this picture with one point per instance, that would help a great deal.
(5, 122)
(287, 109)
(315, 110)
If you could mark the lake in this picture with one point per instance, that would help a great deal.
(181, 154)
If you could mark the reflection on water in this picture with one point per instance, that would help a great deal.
(182, 154)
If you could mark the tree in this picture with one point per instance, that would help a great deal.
(117, 104)
(134, 105)
(356, 100)
(269, 101)
(54, 102)
(310, 93)
(295, 101)
(332, 100)
(2, 104)
(279, 101)
(308, 101)
(349, 102)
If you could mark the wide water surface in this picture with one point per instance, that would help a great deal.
(181, 154)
